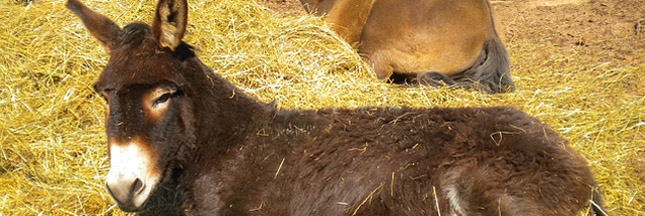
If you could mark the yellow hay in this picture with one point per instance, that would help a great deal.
(52, 144)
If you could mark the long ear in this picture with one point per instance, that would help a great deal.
(169, 23)
(101, 27)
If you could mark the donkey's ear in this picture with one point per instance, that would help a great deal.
(101, 27)
(169, 23)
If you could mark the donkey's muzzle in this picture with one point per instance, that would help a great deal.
(125, 191)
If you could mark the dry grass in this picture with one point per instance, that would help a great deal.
(52, 153)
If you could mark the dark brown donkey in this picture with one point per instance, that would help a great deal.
(170, 118)
(434, 41)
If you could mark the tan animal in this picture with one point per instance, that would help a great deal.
(437, 42)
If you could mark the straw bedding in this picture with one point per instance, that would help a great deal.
(53, 151)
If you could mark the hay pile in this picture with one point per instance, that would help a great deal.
(53, 152)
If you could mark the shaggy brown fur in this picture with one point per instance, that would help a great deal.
(230, 154)
(435, 42)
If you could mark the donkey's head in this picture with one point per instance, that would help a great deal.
(149, 112)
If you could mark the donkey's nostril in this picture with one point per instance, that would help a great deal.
(137, 186)
(125, 191)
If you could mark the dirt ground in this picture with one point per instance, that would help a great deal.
(608, 29)
(284, 7)
(596, 33)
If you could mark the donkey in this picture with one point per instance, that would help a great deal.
(436, 42)
(171, 119)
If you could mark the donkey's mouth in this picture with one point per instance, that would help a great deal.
(131, 197)
(133, 175)
(131, 200)
(129, 208)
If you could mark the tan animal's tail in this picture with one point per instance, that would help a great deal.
(491, 71)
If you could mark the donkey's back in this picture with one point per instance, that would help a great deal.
(390, 161)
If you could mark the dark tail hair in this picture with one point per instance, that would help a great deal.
(597, 208)
(491, 70)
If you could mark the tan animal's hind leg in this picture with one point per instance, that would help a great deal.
(381, 66)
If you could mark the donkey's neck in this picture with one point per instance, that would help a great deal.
(222, 112)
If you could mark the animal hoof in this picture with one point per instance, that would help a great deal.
(435, 79)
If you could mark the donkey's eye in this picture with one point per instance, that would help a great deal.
(164, 98)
